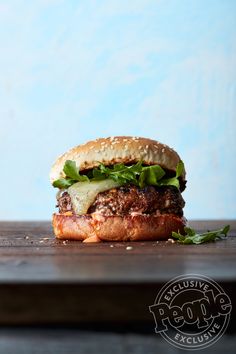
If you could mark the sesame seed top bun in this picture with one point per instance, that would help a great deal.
(118, 149)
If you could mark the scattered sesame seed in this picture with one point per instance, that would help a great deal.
(157, 242)
(156, 146)
(146, 146)
(111, 246)
(140, 147)
(26, 237)
(129, 248)
(64, 242)
(163, 150)
(112, 138)
(171, 240)
(41, 241)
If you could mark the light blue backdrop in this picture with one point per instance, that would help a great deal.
(77, 70)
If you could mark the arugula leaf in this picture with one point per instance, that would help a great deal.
(72, 171)
(119, 173)
(63, 183)
(179, 169)
(136, 174)
(150, 175)
(174, 181)
(192, 237)
(72, 176)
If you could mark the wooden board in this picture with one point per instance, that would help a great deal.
(43, 280)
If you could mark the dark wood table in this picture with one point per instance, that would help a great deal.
(48, 282)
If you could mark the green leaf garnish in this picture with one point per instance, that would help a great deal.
(150, 175)
(72, 176)
(179, 169)
(174, 181)
(136, 174)
(72, 172)
(63, 183)
(192, 237)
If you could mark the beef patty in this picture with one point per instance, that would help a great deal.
(131, 199)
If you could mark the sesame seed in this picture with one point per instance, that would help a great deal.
(163, 150)
(146, 146)
(112, 138)
(156, 146)
(140, 147)
(103, 142)
(125, 139)
(111, 246)
(129, 248)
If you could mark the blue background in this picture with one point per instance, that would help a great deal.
(71, 71)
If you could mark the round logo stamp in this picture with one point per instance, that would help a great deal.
(191, 311)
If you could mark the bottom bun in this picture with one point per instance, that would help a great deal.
(117, 228)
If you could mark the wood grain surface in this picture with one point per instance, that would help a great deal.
(48, 281)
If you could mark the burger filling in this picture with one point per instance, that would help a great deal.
(130, 200)
(121, 190)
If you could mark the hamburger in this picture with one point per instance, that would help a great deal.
(119, 189)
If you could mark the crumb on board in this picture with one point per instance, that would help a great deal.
(170, 240)
(129, 248)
